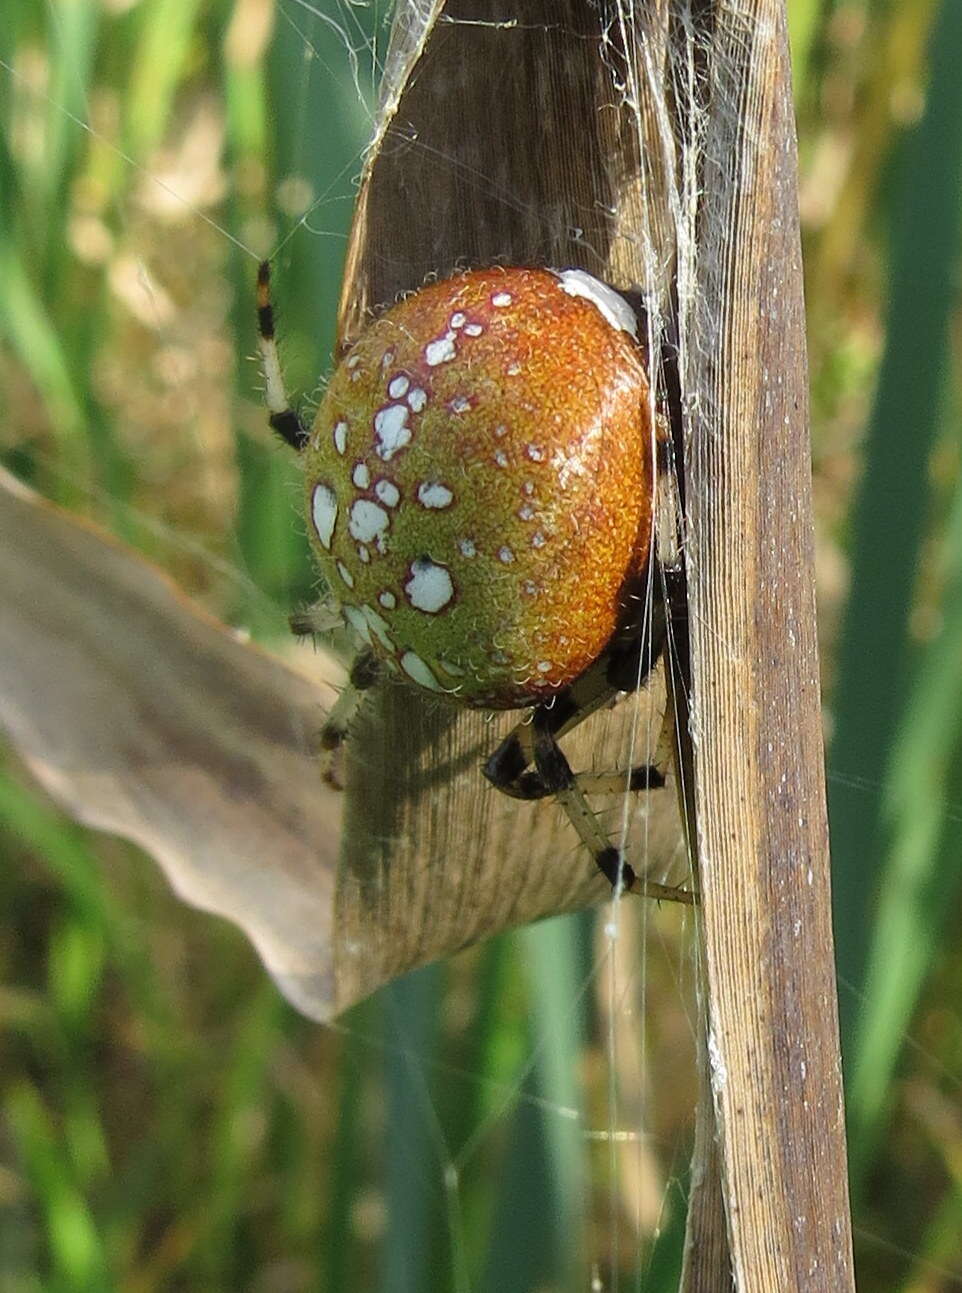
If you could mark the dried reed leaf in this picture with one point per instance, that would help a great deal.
(758, 786)
(145, 718)
(540, 170)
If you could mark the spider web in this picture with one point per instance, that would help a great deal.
(611, 970)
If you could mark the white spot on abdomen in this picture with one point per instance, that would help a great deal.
(361, 476)
(387, 600)
(345, 574)
(613, 306)
(467, 548)
(398, 387)
(358, 623)
(430, 588)
(387, 492)
(340, 437)
(501, 298)
(324, 512)
(367, 521)
(379, 626)
(391, 430)
(434, 495)
(417, 399)
(418, 671)
(440, 351)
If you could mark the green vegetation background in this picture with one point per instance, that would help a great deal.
(166, 1121)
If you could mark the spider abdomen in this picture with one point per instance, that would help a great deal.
(479, 479)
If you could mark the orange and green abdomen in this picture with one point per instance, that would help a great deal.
(479, 480)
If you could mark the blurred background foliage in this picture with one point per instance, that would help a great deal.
(166, 1120)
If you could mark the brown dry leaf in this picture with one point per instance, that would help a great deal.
(145, 718)
(545, 171)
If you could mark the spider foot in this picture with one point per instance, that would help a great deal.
(326, 745)
(321, 618)
(623, 879)
(332, 773)
(365, 672)
(616, 870)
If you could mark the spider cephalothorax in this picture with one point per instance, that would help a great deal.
(479, 480)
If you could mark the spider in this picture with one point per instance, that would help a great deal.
(479, 479)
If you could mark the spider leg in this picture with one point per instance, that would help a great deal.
(365, 672)
(320, 618)
(624, 668)
(532, 786)
(536, 741)
(555, 772)
(283, 418)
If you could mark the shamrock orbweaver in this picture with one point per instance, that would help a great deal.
(479, 483)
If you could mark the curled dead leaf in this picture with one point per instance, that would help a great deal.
(144, 717)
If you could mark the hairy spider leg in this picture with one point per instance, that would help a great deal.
(283, 419)
(556, 772)
(365, 672)
(624, 666)
(321, 618)
(535, 740)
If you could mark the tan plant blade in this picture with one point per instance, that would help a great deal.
(539, 163)
(431, 853)
(435, 859)
(758, 788)
(145, 718)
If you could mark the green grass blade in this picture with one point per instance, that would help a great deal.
(235, 1145)
(523, 1249)
(414, 1255)
(168, 29)
(73, 31)
(335, 1254)
(34, 336)
(890, 514)
(78, 1260)
(803, 20)
(551, 954)
(924, 867)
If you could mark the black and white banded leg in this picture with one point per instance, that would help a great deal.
(536, 742)
(283, 419)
